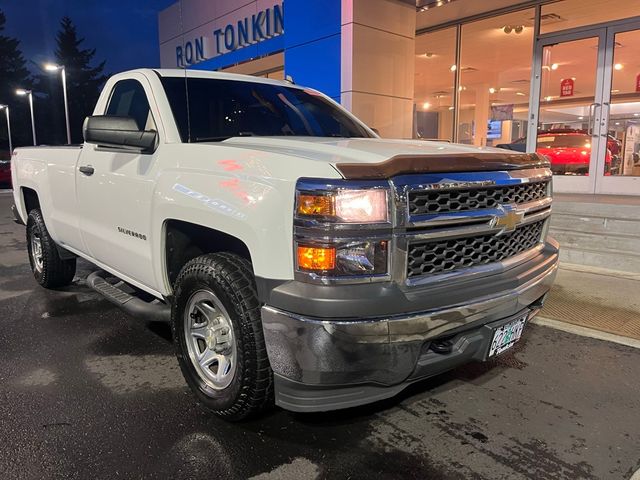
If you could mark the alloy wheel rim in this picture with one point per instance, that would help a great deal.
(210, 340)
(36, 252)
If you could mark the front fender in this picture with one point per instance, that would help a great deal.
(250, 198)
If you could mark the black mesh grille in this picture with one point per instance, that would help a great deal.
(427, 201)
(441, 256)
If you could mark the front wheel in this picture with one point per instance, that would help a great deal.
(218, 336)
(48, 268)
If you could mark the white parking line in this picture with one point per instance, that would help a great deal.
(588, 332)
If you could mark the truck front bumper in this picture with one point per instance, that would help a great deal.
(325, 364)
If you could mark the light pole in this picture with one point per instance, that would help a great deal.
(51, 67)
(6, 110)
(22, 91)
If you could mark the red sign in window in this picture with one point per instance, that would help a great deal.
(566, 87)
(638, 83)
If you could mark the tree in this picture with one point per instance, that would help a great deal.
(13, 74)
(84, 81)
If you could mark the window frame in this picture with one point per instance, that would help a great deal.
(146, 96)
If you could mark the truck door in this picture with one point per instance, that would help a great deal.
(115, 189)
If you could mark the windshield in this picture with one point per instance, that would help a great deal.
(219, 109)
(563, 141)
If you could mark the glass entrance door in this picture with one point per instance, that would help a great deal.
(619, 163)
(585, 109)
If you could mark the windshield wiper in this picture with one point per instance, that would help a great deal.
(221, 138)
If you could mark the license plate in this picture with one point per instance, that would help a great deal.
(506, 336)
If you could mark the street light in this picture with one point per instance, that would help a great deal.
(22, 91)
(6, 110)
(52, 67)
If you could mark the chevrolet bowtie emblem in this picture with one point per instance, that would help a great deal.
(509, 220)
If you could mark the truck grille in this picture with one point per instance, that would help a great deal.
(423, 202)
(442, 256)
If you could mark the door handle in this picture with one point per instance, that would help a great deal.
(86, 170)
(590, 123)
(605, 118)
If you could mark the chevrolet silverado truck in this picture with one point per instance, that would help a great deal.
(301, 259)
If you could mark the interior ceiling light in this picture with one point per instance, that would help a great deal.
(618, 66)
(492, 90)
(426, 105)
(453, 68)
(521, 94)
(513, 28)
(554, 66)
(424, 5)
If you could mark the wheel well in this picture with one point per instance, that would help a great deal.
(31, 200)
(186, 241)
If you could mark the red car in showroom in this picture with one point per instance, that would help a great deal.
(568, 150)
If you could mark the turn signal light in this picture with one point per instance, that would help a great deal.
(316, 258)
(316, 205)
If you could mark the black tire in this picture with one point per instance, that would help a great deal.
(230, 278)
(49, 269)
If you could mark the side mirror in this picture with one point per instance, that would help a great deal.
(119, 132)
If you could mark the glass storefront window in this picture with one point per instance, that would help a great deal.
(495, 76)
(569, 14)
(434, 84)
(623, 139)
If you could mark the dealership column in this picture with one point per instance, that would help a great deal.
(377, 67)
(312, 44)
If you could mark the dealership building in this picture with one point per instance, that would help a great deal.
(558, 77)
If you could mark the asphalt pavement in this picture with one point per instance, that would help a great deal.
(89, 392)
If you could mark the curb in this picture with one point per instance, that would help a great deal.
(574, 267)
(590, 333)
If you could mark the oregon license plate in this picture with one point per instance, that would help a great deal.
(506, 336)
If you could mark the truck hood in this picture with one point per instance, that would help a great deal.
(382, 158)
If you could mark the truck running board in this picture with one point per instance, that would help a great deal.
(155, 310)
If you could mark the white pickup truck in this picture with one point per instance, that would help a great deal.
(299, 257)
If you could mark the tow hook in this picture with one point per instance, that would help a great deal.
(442, 347)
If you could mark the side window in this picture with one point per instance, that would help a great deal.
(129, 100)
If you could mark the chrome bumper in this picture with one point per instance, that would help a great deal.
(322, 364)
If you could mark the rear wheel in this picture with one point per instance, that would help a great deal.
(218, 336)
(48, 268)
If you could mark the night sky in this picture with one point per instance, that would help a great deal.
(123, 32)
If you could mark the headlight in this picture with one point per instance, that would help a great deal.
(348, 206)
(342, 231)
(343, 259)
